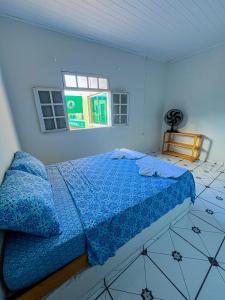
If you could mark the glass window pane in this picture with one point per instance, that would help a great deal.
(93, 82)
(59, 110)
(116, 109)
(49, 124)
(44, 97)
(116, 98)
(123, 119)
(61, 123)
(47, 111)
(123, 99)
(70, 81)
(82, 81)
(123, 109)
(116, 119)
(57, 97)
(103, 83)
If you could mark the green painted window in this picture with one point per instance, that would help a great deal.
(99, 108)
(74, 107)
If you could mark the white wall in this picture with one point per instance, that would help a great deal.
(197, 86)
(8, 145)
(8, 138)
(28, 56)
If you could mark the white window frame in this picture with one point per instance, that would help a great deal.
(39, 110)
(112, 109)
(86, 75)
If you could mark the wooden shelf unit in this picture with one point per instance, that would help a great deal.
(169, 140)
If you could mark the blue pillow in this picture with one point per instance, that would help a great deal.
(26, 205)
(26, 162)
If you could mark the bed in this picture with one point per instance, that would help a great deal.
(102, 204)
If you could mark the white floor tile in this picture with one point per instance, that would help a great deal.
(221, 177)
(100, 294)
(144, 274)
(189, 221)
(214, 196)
(207, 242)
(203, 205)
(199, 188)
(221, 255)
(162, 245)
(128, 281)
(173, 242)
(197, 163)
(117, 271)
(171, 269)
(193, 271)
(168, 158)
(211, 166)
(209, 213)
(203, 178)
(218, 185)
(186, 164)
(214, 286)
(221, 270)
(121, 295)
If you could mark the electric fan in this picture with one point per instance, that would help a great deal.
(173, 118)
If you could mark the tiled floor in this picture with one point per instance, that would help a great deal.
(187, 261)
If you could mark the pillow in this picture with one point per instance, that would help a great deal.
(26, 205)
(26, 162)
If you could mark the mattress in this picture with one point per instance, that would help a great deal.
(102, 204)
(28, 258)
(115, 202)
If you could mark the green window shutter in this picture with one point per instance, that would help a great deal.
(99, 109)
(74, 104)
(74, 107)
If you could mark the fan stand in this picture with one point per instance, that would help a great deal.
(172, 129)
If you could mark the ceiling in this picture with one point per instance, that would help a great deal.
(164, 30)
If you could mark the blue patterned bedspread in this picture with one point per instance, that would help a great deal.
(29, 258)
(115, 203)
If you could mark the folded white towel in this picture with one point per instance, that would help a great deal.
(126, 153)
(151, 166)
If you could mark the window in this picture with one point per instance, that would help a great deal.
(88, 101)
(87, 109)
(85, 102)
(51, 109)
(120, 108)
(77, 81)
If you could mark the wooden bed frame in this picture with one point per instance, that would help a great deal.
(47, 285)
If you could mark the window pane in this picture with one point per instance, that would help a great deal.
(70, 81)
(116, 119)
(47, 111)
(59, 110)
(116, 109)
(93, 82)
(123, 109)
(103, 83)
(116, 98)
(44, 97)
(49, 124)
(57, 97)
(61, 123)
(82, 81)
(123, 99)
(123, 119)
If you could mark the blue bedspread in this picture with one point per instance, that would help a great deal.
(29, 258)
(115, 203)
